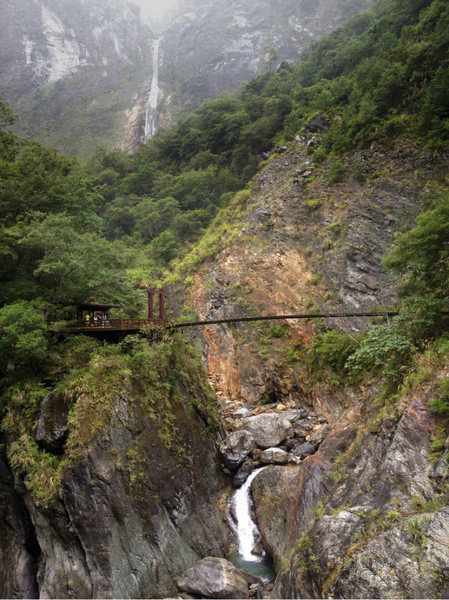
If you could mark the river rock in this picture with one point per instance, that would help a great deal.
(295, 415)
(243, 473)
(235, 448)
(304, 450)
(242, 413)
(274, 456)
(268, 430)
(318, 436)
(215, 578)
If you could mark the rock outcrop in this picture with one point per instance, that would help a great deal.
(136, 507)
(361, 517)
(216, 578)
(306, 244)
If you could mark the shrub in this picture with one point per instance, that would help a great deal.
(337, 172)
(387, 348)
(331, 348)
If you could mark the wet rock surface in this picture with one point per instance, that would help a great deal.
(216, 578)
(235, 448)
(271, 436)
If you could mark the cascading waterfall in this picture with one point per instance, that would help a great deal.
(151, 113)
(248, 535)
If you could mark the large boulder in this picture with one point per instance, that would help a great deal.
(216, 578)
(268, 429)
(274, 456)
(235, 448)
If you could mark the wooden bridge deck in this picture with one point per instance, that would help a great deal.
(113, 325)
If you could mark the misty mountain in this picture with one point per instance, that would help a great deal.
(72, 69)
(214, 45)
(79, 73)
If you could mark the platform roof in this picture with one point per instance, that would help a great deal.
(96, 306)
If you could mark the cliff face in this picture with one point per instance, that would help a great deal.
(76, 72)
(134, 505)
(367, 515)
(213, 46)
(79, 73)
(299, 243)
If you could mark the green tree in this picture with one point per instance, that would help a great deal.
(23, 339)
(422, 253)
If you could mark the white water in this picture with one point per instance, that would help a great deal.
(245, 528)
(151, 114)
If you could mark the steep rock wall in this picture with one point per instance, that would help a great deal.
(136, 505)
(366, 516)
(213, 46)
(296, 243)
(77, 73)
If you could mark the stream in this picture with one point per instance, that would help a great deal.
(248, 536)
(151, 112)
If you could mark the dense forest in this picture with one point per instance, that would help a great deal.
(105, 230)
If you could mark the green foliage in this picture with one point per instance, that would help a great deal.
(440, 404)
(337, 172)
(23, 339)
(387, 349)
(423, 253)
(331, 348)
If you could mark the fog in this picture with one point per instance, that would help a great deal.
(154, 10)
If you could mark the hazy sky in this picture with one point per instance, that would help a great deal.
(154, 8)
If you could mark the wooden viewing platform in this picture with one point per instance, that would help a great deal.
(93, 319)
(113, 325)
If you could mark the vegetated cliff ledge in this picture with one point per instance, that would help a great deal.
(116, 489)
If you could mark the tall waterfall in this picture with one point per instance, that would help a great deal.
(151, 113)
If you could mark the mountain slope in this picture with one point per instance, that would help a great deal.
(79, 73)
(213, 46)
(76, 72)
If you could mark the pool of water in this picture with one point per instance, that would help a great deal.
(262, 567)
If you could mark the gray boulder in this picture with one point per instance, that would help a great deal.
(235, 448)
(318, 124)
(243, 473)
(215, 578)
(274, 456)
(304, 450)
(268, 429)
(241, 413)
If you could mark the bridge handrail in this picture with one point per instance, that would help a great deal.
(112, 324)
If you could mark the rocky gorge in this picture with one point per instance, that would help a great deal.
(252, 441)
